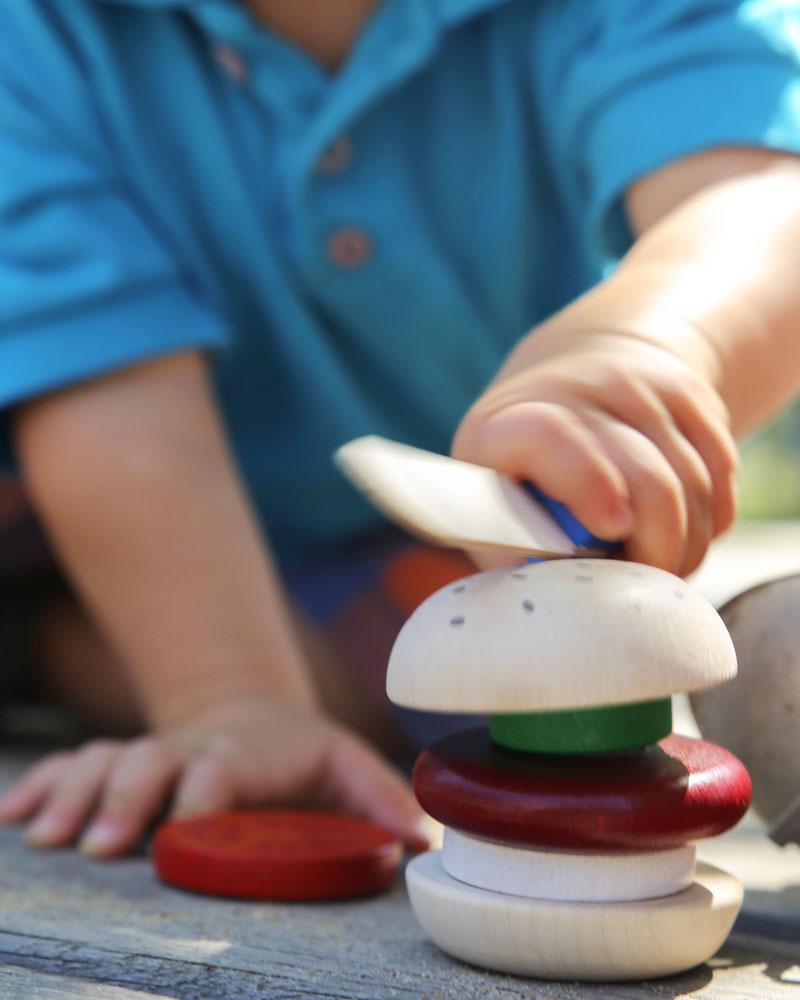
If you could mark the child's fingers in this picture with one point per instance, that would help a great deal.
(698, 444)
(639, 406)
(709, 435)
(364, 783)
(26, 795)
(694, 505)
(135, 792)
(71, 799)
(207, 785)
(486, 559)
(698, 493)
(657, 496)
(551, 445)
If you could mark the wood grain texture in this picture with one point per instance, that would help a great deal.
(557, 635)
(578, 876)
(656, 798)
(277, 854)
(560, 940)
(24, 984)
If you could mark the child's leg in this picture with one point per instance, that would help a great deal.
(48, 647)
(27, 579)
(73, 666)
(354, 605)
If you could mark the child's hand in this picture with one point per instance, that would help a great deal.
(623, 432)
(185, 594)
(249, 754)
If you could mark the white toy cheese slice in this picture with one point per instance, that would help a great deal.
(581, 876)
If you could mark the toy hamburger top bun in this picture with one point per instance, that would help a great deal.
(558, 635)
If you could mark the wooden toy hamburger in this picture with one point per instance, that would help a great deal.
(570, 821)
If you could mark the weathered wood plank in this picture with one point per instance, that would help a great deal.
(739, 971)
(22, 984)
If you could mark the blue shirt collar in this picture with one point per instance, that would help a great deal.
(447, 11)
(400, 37)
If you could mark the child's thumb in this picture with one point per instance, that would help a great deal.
(366, 784)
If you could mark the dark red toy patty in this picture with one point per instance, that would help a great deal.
(665, 795)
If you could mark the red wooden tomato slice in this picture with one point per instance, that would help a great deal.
(276, 855)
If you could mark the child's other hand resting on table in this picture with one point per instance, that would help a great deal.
(258, 752)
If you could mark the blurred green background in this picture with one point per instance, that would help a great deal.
(770, 476)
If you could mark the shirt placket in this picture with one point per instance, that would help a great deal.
(315, 119)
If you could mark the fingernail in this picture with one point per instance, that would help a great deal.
(622, 515)
(421, 835)
(99, 838)
(9, 806)
(45, 830)
(734, 487)
(423, 827)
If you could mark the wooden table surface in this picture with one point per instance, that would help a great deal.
(71, 929)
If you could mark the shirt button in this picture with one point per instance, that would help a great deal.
(349, 247)
(336, 157)
(231, 62)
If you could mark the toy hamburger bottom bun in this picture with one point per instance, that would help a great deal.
(636, 939)
(559, 635)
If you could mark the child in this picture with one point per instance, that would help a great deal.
(235, 235)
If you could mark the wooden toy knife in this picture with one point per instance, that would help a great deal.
(454, 503)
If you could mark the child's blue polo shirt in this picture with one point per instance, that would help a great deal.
(357, 253)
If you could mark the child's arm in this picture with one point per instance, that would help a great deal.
(625, 404)
(133, 478)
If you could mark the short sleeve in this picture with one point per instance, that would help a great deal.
(641, 84)
(87, 284)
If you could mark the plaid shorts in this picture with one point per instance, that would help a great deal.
(357, 602)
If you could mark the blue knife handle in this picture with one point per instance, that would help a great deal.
(569, 524)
